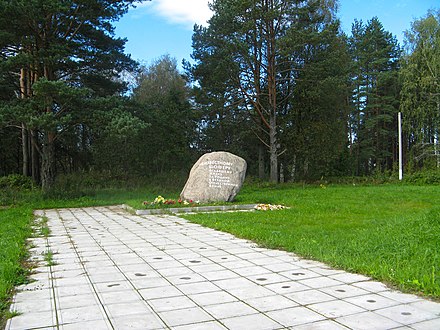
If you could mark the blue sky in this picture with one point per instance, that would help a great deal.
(165, 26)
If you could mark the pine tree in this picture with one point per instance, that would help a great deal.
(162, 95)
(376, 57)
(252, 49)
(315, 126)
(64, 53)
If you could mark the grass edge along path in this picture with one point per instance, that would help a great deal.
(15, 228)
(389, 232)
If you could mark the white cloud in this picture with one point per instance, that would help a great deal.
(401, 4)
(186, 12)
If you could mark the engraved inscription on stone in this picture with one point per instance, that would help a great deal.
(219, 173)
(217, 176)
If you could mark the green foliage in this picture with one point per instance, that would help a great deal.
(420, 98)
(326, 115)
(16, 181)
(48, 257)
(43, 227)
(253, 61)
(163, 99)
(375, 94)
(9, 151)
(15, 228)
(319, 111)
(57, 57)
(123, 124)
(117, 132)
(423, 177)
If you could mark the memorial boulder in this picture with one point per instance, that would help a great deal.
(215, 177)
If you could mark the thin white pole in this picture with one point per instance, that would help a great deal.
(400, 147)
(435, 150)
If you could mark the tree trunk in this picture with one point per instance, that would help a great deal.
(293, 169)
(436, 136)
(35, 158)
(272, 91)
(25, 149)
(48, 166)
(281, 173)
(48, 163)
(24, 130)
(261, 150)
(273, 151)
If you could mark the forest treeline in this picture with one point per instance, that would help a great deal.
(274, 81)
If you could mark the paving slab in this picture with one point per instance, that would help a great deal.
(116, 270)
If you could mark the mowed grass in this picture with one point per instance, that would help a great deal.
(388, 232)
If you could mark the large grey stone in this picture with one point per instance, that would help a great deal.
(215, 177)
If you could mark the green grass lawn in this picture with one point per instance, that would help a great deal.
(388, 232)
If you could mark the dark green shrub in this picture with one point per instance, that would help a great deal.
(16, 181)
(423, 177)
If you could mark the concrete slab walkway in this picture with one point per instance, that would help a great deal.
(114, 270)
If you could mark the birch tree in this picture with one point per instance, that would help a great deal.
(420, 75)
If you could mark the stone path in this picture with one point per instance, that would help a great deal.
(114, 270)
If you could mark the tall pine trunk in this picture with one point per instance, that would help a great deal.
(273, 150)
(272, 91)
(35, 157)
(261, 172)
(48, 164)
(25, 150)
(24, 131)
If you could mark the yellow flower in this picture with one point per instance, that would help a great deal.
(159, 200)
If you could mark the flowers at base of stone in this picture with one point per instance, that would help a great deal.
(269, 207)
(190, 202)
(160, 201)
